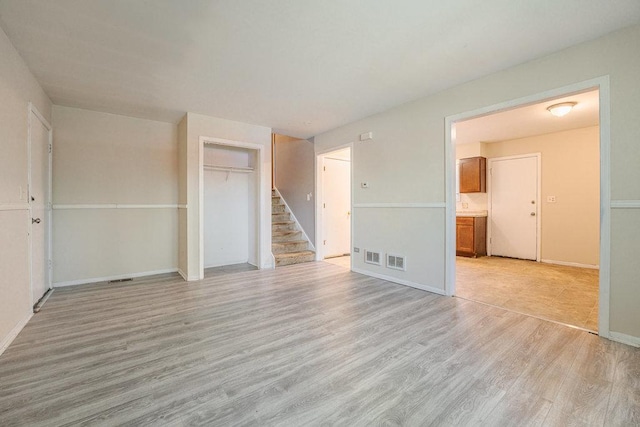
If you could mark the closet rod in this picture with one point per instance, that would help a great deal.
(229, 168)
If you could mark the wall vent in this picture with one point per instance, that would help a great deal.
(397, 262)
(371, 257)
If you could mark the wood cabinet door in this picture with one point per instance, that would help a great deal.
(464, 238)
(473, 175)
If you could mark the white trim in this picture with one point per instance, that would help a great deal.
(184, 276)
(625, 204)
(538, 157)
(6, 341)
(570, 264)
(319, 164)
(300, 228)
(600, 83)
(185, 206)
(625, 339)
(399, 281)
(432, 205)
(116, 206)
(116, 277)
(262, 232)
(14, 207)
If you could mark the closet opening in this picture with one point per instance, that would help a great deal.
(230, 206)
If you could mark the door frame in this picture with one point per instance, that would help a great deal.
(538, 157)
(33, 111)
(602, 84)
(263, 240)
(320, 155)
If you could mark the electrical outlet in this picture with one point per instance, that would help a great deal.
(356, 250)
(551, 199)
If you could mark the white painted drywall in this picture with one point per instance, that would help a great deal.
(294, 176)
(99, 159)
(204, 126)
(405, 162)
(17, 88)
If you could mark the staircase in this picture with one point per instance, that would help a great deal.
(288, 244)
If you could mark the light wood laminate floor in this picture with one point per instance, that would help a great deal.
(558, 293)
(307, 344)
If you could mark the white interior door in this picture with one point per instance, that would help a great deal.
(336, 192)
(40, 206)
(514, 207)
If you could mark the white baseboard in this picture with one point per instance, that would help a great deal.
(6, 341)
(184, 276)
(570, 264)
(118, 277)
(400, 281)
(625, 339)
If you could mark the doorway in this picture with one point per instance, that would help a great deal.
(230, 203)
(40, 147)
(334, 204)
(553, 277)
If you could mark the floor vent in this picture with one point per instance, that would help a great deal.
(371, 257)
(396, 262)
(128, 279)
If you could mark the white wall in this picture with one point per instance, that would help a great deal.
(17, 88)
(405, 163)
(198, 125)
(105, 159)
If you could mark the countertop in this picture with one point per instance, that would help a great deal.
(472, 214)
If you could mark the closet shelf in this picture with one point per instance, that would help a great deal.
(229, 168)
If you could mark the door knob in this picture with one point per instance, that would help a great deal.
(533, 214)
(36, 220)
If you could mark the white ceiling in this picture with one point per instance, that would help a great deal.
(530, 120)
(299, 66)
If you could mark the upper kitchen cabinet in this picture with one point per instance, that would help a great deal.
(473, 175)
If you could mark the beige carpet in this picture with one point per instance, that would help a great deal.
(563, 294)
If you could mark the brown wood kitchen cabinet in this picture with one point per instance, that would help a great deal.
(473, 175)
(471, 236)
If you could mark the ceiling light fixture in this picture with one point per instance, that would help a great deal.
(561, 109)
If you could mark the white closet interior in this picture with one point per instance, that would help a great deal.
(230, 204)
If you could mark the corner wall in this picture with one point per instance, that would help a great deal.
(115, 196)
(405, 165)
(18, 87)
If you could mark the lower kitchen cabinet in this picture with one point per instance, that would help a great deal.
(471, 236)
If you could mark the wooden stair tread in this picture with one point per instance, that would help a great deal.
(290, 242)
(294, 254)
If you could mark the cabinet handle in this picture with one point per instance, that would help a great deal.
(533, 214)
